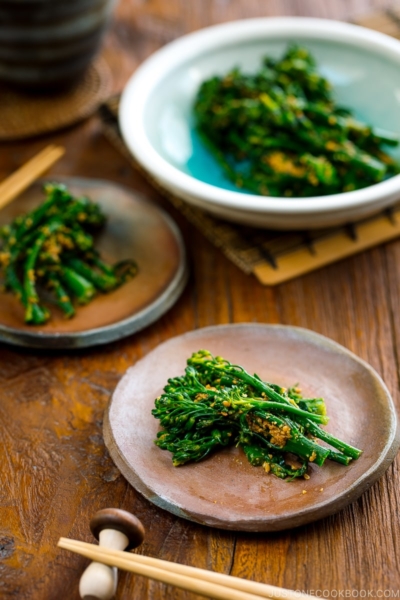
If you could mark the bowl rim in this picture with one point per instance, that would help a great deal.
(143, 82)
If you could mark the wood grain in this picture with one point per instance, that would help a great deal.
(54, 470)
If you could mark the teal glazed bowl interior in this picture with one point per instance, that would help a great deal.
(158, 124)
(362, 80)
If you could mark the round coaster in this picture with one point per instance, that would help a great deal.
(26, 114)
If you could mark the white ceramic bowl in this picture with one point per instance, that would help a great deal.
(157, 122)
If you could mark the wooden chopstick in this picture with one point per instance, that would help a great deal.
(200, 581)
(16, 183)
(191, 584)
(251, 587)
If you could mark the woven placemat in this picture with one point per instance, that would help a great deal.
(25, 115)
(276, 256)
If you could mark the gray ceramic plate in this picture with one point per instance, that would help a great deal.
(136, 230)
(225, 490)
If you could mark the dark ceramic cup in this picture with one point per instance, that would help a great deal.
(49, 43)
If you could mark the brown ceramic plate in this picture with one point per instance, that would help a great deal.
(224, 490)
(135, 230)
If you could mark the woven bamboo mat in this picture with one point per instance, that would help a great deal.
(276, 256)
(25, 115)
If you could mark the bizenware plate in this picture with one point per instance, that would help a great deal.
(135, 229)
(224, 490)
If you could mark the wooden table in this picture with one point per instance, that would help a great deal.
(54, 469)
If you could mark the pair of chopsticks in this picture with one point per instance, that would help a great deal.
(199, 581)
(21, 179)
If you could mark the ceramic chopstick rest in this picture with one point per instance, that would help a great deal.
(116, 529)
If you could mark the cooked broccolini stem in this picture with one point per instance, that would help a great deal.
(325, 436)
(79, 286)
(53, 244)
(279, 131)
(216, 403)
(62, 298)
(101, 281)
(204, 361)
(30, 293)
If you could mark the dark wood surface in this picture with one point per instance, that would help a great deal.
(55, 472)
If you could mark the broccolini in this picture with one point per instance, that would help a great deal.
(217, 404)
(52, 247)
(280, 132)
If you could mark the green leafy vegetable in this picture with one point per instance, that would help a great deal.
(216, 404)
(279, 131)
(53, 247)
